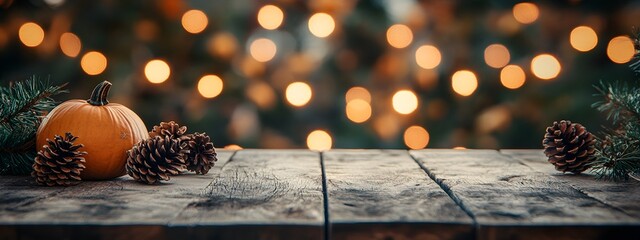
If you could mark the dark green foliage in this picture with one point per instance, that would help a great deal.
(22, 107)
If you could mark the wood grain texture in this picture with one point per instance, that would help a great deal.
(383, 194)
(503, 195)
(624, 196)
(276, 194)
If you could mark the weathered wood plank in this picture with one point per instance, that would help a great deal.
(621, 195)
(260, 194)
(510, 200)
(383, 194)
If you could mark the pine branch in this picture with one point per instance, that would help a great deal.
(620, 102)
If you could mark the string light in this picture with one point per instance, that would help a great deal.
(357, 93)
(620, 49)
(399, 36)
(428, 57)
(210, 86)
(298, 94)
(321, 25)
(496, 55)
(270, 17)
(93, 63)
(583, 38)
(157, 71)
(358, 110)
(464, 82)
(526, 12)
(319, 140)
(263, 49)
(194, 21)
(31, 34)
(416, 137)
(70, 44)
(512, 77)
(404, 101)
(545, 66)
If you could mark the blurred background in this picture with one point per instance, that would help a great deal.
(332, 74)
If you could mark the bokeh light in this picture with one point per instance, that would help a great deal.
(233, 147)
(210, 86)
(319, 140)
(545, 66)
(358, 110)
(399, 36)
(464, 82)
(583, 38)
(428, 57)
(157, 71)
(262, 94)
(496, 55)
(31, 34)
(512, 77)
(70, 44)
(526, 12)
(270, 17)
(416, 137)
(194, 21)
(404, 101)
(298, 94)
(263, 49)
(222, 44)
(321, 25)
(620, 49)
(93, 63)
(357, 93)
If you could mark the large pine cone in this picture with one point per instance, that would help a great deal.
(171, 129)
(202, 155)
(156, 159)
(59, 162)
(569, 146)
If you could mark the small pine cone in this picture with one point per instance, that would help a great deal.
(59, 162)
(569, 146)
(202, 155)
(155, 159)
(171, 129)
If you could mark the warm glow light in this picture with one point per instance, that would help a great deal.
(620, 49)
(93, 63)
(263, 49)
(428, 57)
(321, 25)
(358, 110)
(270, 17)
(459, 148)
(233, 147)
(194, 21)
(157, 71)
(31, 34)
(70, 44)
(298, 94)
(545, 66)
(210, 86)
(416, 137)
(357, 93)
(464, 82)
(583, 38)
(526, 12)
(496, 55)
(319, 140)
(404, 101)
(512, 77)
(399, 36)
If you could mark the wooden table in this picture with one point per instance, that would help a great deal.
(338, 194)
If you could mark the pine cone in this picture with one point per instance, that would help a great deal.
(202, 155)
(171, 129)
(59, 162)
(569, 146)
(155, 159)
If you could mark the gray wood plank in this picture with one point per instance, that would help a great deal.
(621, 195)
(260, 194)
(510, 200)
(384, 194)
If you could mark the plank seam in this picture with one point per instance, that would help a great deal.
(325, 196)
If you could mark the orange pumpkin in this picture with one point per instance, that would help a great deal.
(107, 131)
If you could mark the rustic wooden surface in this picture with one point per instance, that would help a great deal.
(368, 194)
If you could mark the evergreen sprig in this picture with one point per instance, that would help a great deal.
(22, 107)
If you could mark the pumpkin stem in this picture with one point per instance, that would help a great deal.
(99, 94)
